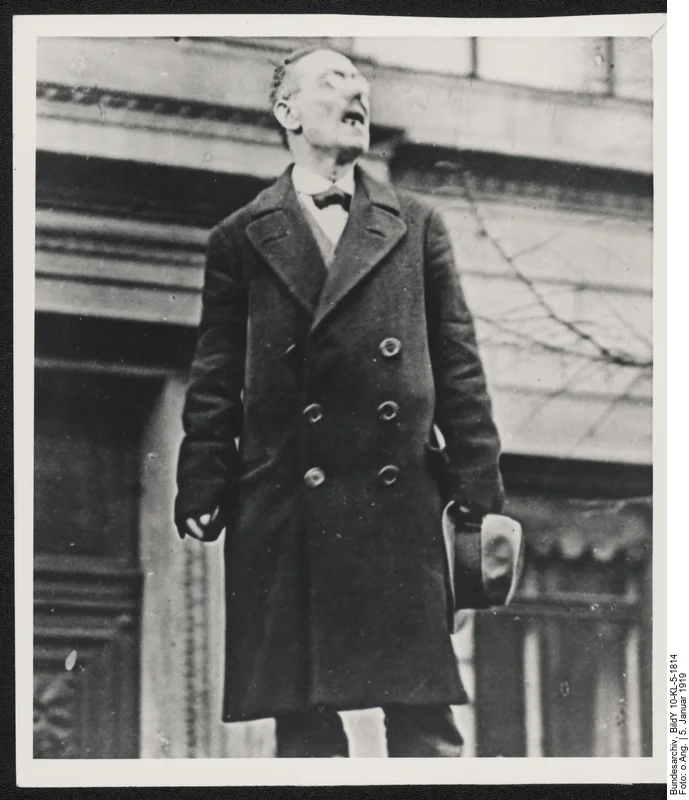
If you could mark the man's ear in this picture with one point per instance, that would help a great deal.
(286, 116)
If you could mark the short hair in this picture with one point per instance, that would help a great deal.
(280, 75)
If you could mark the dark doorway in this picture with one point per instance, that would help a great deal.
(87, 583)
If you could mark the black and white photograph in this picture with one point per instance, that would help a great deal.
(342, 431)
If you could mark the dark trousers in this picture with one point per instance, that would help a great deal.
(411, 732)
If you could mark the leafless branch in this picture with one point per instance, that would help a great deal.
(536, 245)
(548, 346)
(564, 389)
(624, 322)
(610, 407)
(604, 352)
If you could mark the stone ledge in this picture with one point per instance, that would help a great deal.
(461, 113)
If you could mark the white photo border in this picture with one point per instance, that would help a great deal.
(264, 772)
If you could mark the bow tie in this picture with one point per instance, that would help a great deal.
(332, 196)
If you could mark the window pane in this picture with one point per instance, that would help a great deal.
(431, 54)
(633, 68)
(573, 64)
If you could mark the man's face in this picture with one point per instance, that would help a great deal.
(330, 102)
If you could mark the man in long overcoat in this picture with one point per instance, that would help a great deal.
(334, 337)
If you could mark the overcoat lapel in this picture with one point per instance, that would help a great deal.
(374, 227)
(283, 238)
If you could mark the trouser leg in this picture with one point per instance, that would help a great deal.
(422, 732)
(312, 734)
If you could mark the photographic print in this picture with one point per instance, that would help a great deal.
(342, 402)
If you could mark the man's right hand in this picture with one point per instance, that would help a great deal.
(207, 527)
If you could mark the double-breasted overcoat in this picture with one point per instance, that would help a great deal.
(332, 379)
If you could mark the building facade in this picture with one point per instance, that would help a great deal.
(540, 153)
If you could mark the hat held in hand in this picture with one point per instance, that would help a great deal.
(486, 565)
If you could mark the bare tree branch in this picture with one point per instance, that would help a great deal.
(610, 407)
(548, 346)
(566, 387)
(605, 300)
(536, 245)
(603, 351)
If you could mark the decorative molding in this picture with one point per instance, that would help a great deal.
(633, 679)
(601, 531)
(105, 238)
(602, 608)
(260, 121)
(88, 707)
(570, 654)
(532, 656)
(95, 586)
(443, 177)
(141, 253)
(55, 716)
(506, 179)
(197, 651)
(430, 108)
(164, 106)
(60, 223)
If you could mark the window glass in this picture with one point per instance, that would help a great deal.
(633, 68)
(573, 64)
(429, 54)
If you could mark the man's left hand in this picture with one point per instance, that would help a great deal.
(207, 527)
(468, 516)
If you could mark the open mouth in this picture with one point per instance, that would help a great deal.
(354, 118)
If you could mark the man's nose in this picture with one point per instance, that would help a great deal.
(357, 89)
(358, 99)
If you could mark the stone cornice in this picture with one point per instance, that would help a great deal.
(601, 531)
(169, 106)
(65, 231)
(495, 178)
(562, 196)
(158, 106)
(431, 109)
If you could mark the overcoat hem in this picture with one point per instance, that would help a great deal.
(458, 699)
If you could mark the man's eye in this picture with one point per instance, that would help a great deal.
(336, 80)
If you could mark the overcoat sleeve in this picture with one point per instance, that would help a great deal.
(463, 406)
(208, 466)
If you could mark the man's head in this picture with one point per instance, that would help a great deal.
(322, 103)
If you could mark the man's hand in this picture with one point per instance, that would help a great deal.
(468, 516)
(207, 527)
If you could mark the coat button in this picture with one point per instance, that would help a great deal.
(314, 477)
(388, 410)
(313, 413)
(388, 475)
(390, 347)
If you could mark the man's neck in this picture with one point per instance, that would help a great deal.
(328, 166)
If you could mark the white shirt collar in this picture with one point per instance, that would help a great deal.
(307, 181)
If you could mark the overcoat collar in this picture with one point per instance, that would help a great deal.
(280, 234)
